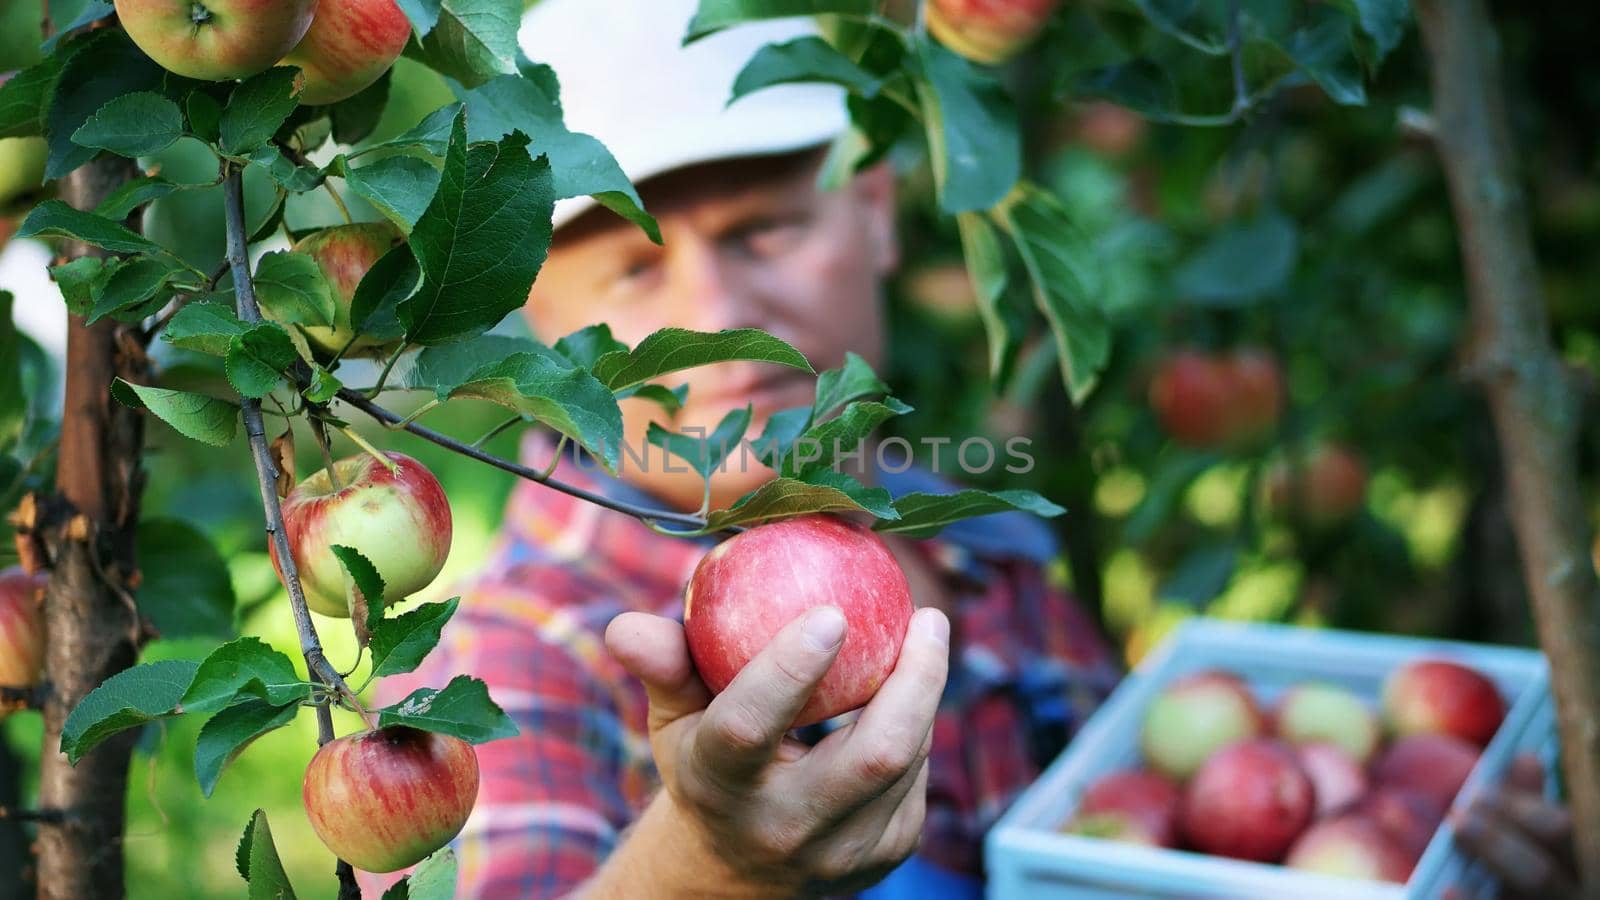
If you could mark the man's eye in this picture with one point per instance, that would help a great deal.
(770, 237)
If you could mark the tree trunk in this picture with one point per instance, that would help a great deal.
(1535, 409)
(92, 625)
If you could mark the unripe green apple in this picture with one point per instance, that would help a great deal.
(988, 31)
(21, 167)
(1193, 718)
(399, 520)
(21, 629)
(216, 40)
(345, 254)
(350, 44)
(383, 800)
(1324, 712)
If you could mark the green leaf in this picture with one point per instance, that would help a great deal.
(186, 590)
(400, 644)
(80, 280)
(204, 114)
(704, 454)
(263, 869)
(432, 134)
(472, 41)
(13, 403)
(807, 59)
(257, 109)
(585, 346)
(256, 359)
(925, 515)
(1201, 575)
(1385, 21)
(244, 667)
(228, 732)
(1324, 51)
(669, 399)
(1066, 286)
(446, 367)
(131, 195)
(129, 285)
(782, 498)
(362, 585)
(852, 381)
(55, 217)
(875, 500)
(714, 15)
(986, 266)
(291, 176)
(566, 398)
(579, 164)
(674, 349)
(291, 288)
(463, 709)
(1242, 263)
(424, 14)
(480, 242)
(433, 879)
(70, 15)
(127, 699)
(25, 97)
(822, 445)
(204, 327)
(324, 386)
(353, 118)
(103, 65)
(784, 427)
(973, 136)
(195, 416)
(132, 125)
(400, 187)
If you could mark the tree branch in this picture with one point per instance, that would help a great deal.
(1533, 403)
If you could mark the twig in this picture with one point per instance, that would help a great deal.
(266, 472)
(388, 367)
(1241, 93)
(505, 465)
(47, 816)
(339, 202)
(24, 696)
(493, 432)
(319, 433)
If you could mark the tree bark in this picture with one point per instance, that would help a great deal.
(92, 625)
(1534, 405)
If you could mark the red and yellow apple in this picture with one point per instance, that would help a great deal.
(1325, 489)
(350, 44)
(1190, 397)
(749, 587)
(1249, 801)
(1258, 394)
(345, 254)
(216, 40)
(1315, 711)
(1409, 817)
(383, 800)
(1193, 718)
(399, 519)
(21, 628)
(1350, 846)
(988, 31)
(1135, 806)
(1436, 696)
(1433, 764)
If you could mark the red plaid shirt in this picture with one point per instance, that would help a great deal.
(1027, 667)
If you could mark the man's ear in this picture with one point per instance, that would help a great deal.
(874, 189)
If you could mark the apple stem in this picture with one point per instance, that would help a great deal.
(339, 202)
(319, 431)
(490, 434)
(356, 438)
(555, 458)
(383, 376)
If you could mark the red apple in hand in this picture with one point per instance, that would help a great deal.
(1194, 717)
(1323, 712)
(1350, 846)
(988, 31)
(1435, 696)
(345, 254)
(350, 44)
(383, 800)
(1435, 764)
(1335, 777)
(1249, 801)
(1135, 806)
(21, 628)
(399, 520)
(215, 40)
(750, 586)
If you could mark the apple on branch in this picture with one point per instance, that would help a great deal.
(399, 519)
(349, 45)
(216, 40)
(386, 799)
(988, 31)
(21, 628)
(1327, 488)
(345, 254)
(750, 586)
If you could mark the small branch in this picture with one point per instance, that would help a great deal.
(1241, 93)
(24, 697)
(388, 367)
(319, 433)
(495, 431)
(449, 443)
(339, 202)
(46, 816)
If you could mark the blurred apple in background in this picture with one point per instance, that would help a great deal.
(1193, 718)
(1249, 801)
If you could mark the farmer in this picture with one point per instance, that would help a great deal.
(574, 622)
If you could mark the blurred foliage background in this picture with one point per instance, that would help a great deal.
(1321, 232)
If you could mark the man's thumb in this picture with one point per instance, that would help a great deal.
(653, 650)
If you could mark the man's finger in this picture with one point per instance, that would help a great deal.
(1522, 865)
(745, 723)
(1526, 773)
(654, 651)
(883, 743)
(1545, 822)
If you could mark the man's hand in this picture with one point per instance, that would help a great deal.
(776, 816)
(1522, 837)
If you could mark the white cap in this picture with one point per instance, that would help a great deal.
(627, 79)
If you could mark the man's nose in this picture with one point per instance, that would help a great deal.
(713, 292)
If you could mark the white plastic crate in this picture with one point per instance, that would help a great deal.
(1028, 859)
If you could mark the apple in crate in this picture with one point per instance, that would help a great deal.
(1135, 805)
(1193, 718)
(1435, 696)
(1408, 817)
(1336, 779)
(1433, 764)
(1323, 712)
(1249, 801)
(1351, 846)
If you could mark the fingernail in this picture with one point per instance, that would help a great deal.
(824, 628)
(935, 626)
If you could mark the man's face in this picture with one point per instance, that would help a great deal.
(745, 244)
